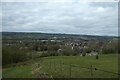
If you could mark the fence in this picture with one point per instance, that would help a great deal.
(62, 70)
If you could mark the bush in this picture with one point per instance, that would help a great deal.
(13, 55)
(67, 51)
(110, 47)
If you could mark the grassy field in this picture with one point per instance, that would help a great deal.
(66, 66)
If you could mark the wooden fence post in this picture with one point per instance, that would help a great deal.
(70, 71)
(91, 68)
(50, 66)
(61, 66)
(54, 66)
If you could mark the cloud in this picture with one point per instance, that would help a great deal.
(61, 17)
(59, 0)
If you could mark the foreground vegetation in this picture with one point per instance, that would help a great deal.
(26, 55)
(59, 66)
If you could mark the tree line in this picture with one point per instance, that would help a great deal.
(19, 53)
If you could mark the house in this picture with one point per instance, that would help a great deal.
(59, 50)
(93, 53)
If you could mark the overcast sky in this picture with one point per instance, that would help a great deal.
(92, 18)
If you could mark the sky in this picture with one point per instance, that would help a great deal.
(90, 18)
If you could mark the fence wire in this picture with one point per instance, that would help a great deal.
(60, 69)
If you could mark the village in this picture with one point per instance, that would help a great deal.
(61, 45)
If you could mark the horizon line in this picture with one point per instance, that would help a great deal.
(60, 33)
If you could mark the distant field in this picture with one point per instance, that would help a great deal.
(67, 66)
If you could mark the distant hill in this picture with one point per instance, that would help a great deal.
(31, 35)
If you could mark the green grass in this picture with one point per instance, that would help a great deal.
(59, 66)
(18, 72)
(52, 65)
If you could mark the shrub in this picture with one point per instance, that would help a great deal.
(13, 55)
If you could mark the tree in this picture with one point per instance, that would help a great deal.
(13, 54)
